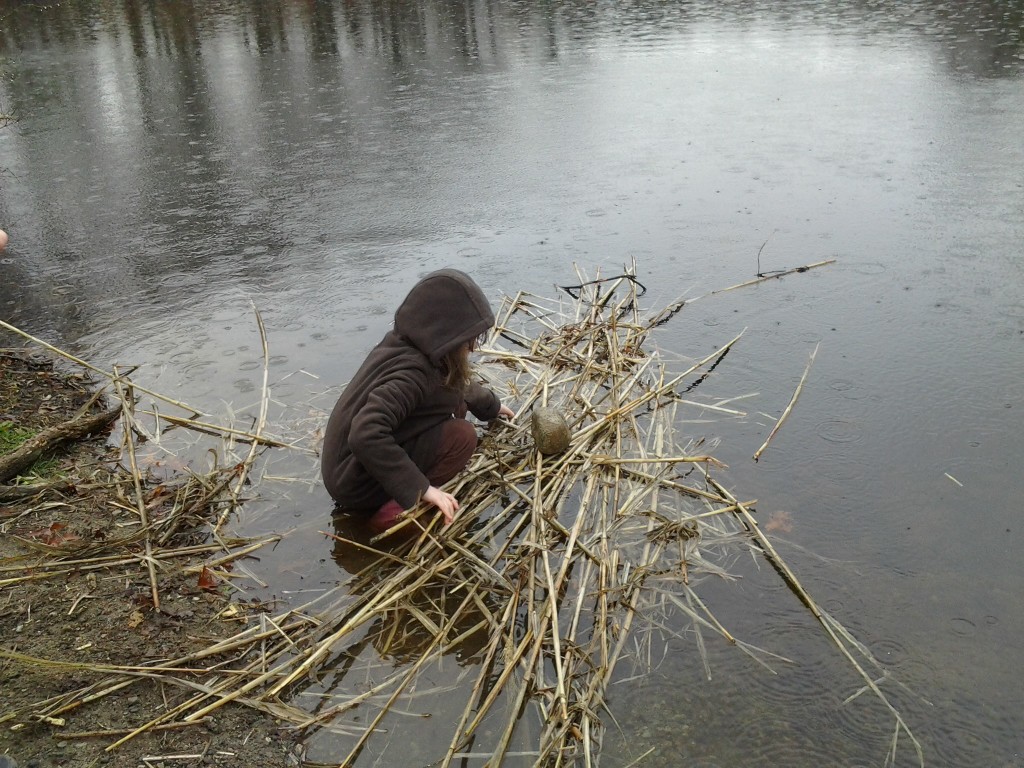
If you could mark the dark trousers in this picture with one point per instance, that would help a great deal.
(455, 447)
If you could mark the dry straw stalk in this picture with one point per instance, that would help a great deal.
(555, 579)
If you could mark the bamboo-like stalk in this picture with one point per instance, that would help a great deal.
(80, 735)
(789, 407)
(673, 309)
(840, 637)
(240, 435)
(566, 568)
(776, 275)
(89, 366)
(246, 464)
(129, 438)
(59, 567)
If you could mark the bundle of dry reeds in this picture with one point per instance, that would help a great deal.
(543, 580)
(558, 559)
(166, 521)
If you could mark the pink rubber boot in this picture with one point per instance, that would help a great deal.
(386, 517)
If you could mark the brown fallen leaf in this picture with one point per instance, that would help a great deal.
(779, 521)
(207, 580)
(53, 535)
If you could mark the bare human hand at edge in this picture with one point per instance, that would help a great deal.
(444, 501)
(447, 503)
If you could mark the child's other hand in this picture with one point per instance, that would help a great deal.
(506, 413)
(443, 501)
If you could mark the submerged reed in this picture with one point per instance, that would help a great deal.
(548, 580)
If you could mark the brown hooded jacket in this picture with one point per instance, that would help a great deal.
(383, 432)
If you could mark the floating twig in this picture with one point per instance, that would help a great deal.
(789, 407)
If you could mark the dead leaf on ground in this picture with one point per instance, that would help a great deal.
(53, 535)
(207, 580)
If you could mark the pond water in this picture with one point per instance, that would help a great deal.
(174, 165)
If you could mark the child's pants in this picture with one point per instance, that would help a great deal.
(454, 449)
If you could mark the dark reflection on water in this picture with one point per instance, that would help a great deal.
(173, 162)
(194, 128)
(983, 38)
(404, 634)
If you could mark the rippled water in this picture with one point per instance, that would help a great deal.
(175, 164)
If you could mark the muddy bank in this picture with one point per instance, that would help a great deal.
(80, 608)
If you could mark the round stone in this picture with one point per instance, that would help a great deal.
(550, 431)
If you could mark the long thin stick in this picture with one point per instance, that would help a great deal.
(261, 422)
(789, 408)
(826, 621)
(139, 388)
(136, 481)
(90, 367)
(775, 276)
(568, 567)
(672, 310)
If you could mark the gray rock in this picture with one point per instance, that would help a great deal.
(550, 431)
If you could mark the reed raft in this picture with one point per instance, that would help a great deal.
(545, 587)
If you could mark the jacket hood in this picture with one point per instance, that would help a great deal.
(443, 310)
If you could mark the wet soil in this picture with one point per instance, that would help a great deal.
(64, 612)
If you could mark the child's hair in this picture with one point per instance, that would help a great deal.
(456, 368)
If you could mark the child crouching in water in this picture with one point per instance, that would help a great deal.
(399, 430)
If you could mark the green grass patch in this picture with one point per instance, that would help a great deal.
(11, 437)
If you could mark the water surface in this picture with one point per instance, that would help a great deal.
(174, 165)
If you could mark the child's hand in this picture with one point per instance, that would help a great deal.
(443, 501)
(506, 413)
